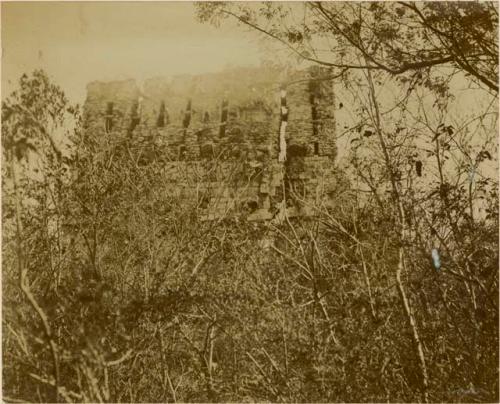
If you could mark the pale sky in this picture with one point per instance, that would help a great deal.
(78, 42)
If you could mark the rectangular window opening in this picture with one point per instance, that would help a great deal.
(108, 122)
(187, 116)
(135, 118)
(223, 118)
(162, 116)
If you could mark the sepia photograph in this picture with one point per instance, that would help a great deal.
(250, 202)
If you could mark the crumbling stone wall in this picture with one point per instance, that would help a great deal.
(217, 136)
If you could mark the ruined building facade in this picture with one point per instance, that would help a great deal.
(250, 141)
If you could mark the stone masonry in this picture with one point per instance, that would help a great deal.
(217, 136)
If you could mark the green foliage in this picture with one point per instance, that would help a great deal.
(149, 303)
(396, 37)
(30, 113)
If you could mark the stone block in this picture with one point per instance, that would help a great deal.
(235, 164)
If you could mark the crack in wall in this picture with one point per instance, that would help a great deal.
(173, 119)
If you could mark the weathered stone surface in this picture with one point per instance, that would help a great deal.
(217, 137)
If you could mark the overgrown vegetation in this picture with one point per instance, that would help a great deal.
(114, 289)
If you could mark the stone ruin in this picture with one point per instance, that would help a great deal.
(249, 141)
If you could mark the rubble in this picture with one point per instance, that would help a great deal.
(218, 136)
